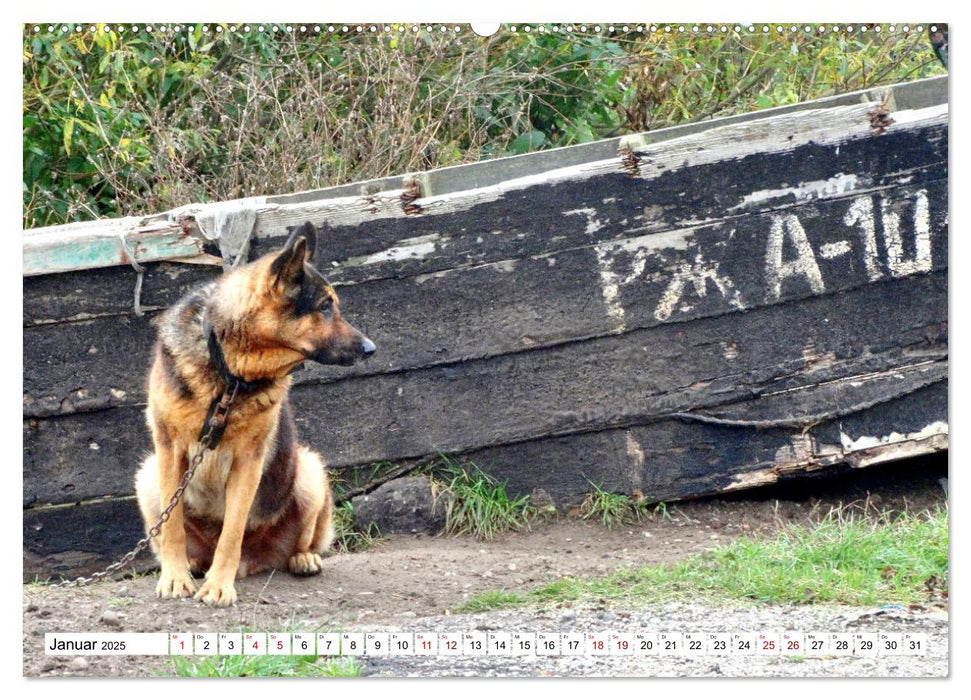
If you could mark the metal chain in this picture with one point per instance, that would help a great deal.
(209, 439)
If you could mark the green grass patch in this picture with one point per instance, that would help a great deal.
(266, 667)
(477, 504)
(843, 559)
(492, 600)
(346, 537)
(612, 509)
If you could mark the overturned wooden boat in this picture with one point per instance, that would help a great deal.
(679, 313)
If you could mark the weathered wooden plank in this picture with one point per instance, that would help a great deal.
(88, 455)
(673, 459)
(104, 242)
(574, 387)
(561, 217)
(828, 246)
(75, 540)
(667, 460)
(774, 135)
(108, 291)
(780, 136)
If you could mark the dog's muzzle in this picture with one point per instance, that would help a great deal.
(348, 355)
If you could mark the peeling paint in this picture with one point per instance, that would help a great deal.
(865, 442)
(634, 450)
(593, 224)
(642, 246)
(753, 479)
(410, 248)
(797, 452)
(805, 191)
(610, 287)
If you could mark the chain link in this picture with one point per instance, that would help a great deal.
(214, 428)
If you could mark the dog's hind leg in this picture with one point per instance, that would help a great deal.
(315, 512)
(146, 489)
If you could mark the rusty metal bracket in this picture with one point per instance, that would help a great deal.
(412, 191)
(880, 115)
(630, 161)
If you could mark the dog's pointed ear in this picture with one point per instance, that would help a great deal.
(300, 248)
(309, 232)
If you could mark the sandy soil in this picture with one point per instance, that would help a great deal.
(407, 582)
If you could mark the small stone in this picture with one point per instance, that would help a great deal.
(111, 618)
(79, 663)
(541, 500)
(401, 506)
(512, 567)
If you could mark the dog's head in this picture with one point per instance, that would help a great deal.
(306, 316)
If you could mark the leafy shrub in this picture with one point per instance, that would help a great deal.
(119, 123)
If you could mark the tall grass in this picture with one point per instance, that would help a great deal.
(477, 504)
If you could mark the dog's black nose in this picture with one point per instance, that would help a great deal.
(368, 348)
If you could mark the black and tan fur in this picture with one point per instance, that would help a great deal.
(259, 500)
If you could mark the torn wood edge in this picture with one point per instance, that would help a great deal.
(808, 457)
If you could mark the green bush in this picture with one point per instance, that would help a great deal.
(119, 123)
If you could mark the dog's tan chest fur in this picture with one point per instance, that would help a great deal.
(205, 496)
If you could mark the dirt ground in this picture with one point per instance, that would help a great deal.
(405, 580)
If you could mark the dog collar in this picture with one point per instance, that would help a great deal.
(218, 359)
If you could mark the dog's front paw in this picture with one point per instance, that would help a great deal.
(178, 584)
(305, 564)
(218, 594)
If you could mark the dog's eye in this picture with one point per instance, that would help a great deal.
(327, 307)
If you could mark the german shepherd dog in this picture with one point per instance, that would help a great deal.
(258, 500)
